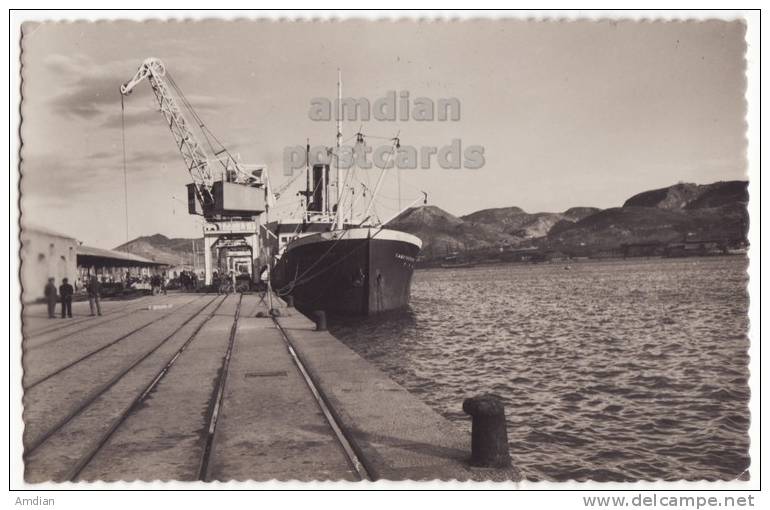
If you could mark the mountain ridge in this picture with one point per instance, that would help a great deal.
(160, 248)
(683, 211)
(678, 213)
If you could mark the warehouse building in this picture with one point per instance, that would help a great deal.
(113, 266)
(49, 254)
(45, 254)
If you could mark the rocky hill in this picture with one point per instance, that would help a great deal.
(442, 233)
(721, 194)
(680, 212)
(611, 228)
(522, 225)
(668, 215)
(692, 196)
(161, 248)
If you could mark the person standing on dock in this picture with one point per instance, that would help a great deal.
(94, 291)
(65, 293)
(155, 284)
(51, 298)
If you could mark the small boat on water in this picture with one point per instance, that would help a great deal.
(455, 262)
(457, 265)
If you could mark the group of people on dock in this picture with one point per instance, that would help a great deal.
(188, 280)
(159, 284)
(222, 284)
(225, 283)
(65, 293)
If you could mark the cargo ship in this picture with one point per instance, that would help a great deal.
(339, 258)
(351, 271)
(343, 268)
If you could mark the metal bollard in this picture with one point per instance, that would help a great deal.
(289, 301)
(320, 320)
(489, 437)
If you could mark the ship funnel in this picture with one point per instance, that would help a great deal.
(318, 190)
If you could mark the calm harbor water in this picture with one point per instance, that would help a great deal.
(610, 370)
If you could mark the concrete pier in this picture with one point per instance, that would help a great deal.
(207, 387)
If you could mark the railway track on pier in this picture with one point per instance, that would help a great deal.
(104, 347)
(98, 392)
(217, 399)
(79, 466)
(30, 344)
(352, 457)
(92, 322)
(98, 439)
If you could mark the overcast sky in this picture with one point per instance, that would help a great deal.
(569, 114)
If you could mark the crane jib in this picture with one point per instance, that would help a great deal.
(237, 192)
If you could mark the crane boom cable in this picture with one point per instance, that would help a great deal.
(198, 121)
(383, 169)
(125, 178)
(286, 185)
(191, 151)
(195, 159)
(208, 135)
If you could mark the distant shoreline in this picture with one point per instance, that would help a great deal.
(581, 260)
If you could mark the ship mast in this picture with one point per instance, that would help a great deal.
(338, 216)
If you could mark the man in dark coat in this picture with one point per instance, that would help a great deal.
(155, 284)
(94, 289)
(51, 298)
(183, 282)
(65, 293)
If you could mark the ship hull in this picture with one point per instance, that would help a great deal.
(359, 271)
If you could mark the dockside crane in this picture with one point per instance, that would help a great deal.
(228, 194)
(208, 186)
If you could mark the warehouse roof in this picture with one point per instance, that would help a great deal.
(46, 231)
(89, 252)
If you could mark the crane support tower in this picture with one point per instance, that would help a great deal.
(231, 196)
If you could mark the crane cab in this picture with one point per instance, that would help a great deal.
(230, 199)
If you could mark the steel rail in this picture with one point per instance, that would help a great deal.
(86, 458)
(218, 397)
(100, 349)
(117, 315)
(50, 328)
(352, 457)
(90, 398)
